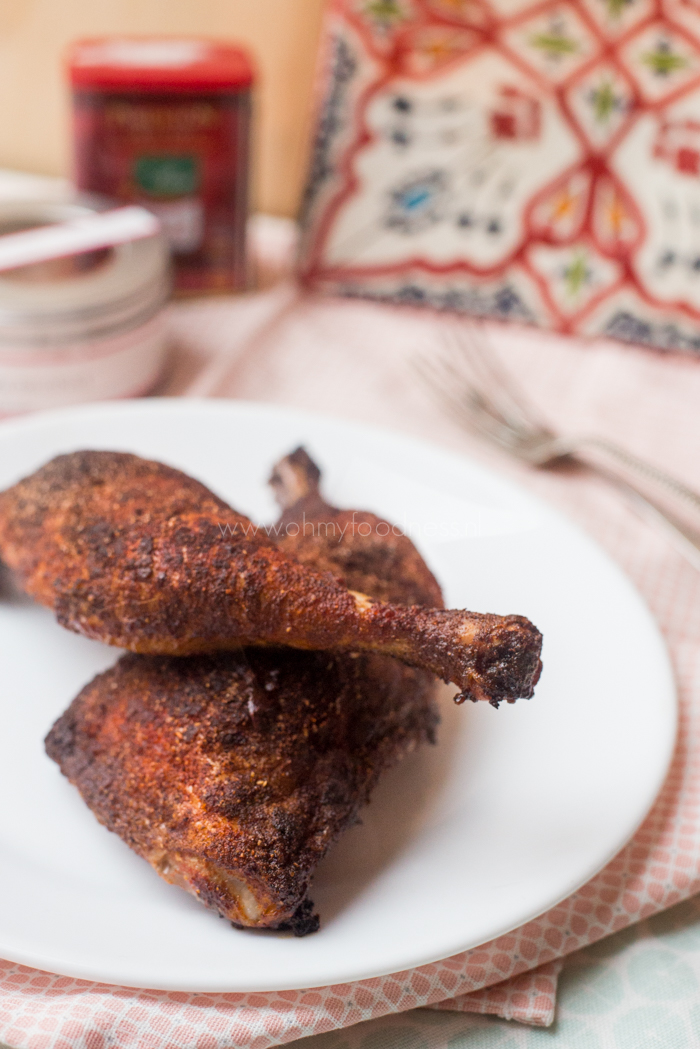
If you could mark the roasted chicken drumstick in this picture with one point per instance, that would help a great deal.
(232, 774)
(139, 555)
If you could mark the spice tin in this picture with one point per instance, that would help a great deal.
(164, 122)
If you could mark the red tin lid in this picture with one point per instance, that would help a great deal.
(158, 64)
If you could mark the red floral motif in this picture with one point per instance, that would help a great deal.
(678, 142)
(516, 116)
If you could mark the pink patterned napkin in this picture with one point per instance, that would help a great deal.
(355, 359)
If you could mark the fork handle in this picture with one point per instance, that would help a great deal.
(687, 546)
(619, 463)
(644, 469)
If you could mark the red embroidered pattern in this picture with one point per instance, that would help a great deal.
(581, 110)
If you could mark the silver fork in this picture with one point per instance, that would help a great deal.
(471, 381)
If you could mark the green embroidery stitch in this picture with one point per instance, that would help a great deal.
(605, 102)
(555, 44)
(384, 10)
(616, 7)
(576, 275)
(663, 61)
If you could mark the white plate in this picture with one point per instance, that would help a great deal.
(510, 813)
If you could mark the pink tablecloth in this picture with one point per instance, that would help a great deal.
(355, 360)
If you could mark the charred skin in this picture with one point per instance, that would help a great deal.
(139, 555)
(233, 774)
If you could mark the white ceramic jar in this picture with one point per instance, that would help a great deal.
(90, 327)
